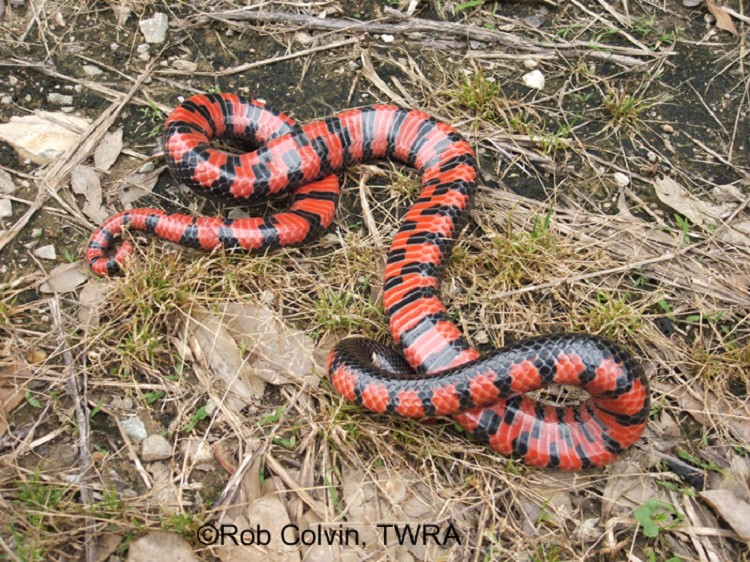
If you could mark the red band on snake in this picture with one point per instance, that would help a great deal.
(437, 372)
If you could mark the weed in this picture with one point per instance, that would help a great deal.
(544, 553)
(153, 117)
(184, 524)
(625, 108)
(656, 515)
(517, 254)
(197, 417)
(478, 94)
(613, 316)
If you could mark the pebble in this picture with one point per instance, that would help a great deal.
(6, 208)
(669, 129)
(12, 80)
(155, 448)
(621, 179)
(387, 38)
(36, 233)
(46, 252)
(6, 100)
(6, 183)
(185, 65)
(303, 38)
(134, 428)
(92, 70)
(155, 29)
(59, 99)
(146, 168)
(651, 157)
(143, 49)
(530, 64)
(534, 79)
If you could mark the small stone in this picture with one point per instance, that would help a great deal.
(651, 157)
(6, 208)
(113, 47)
(134, 428)
(59, 99)
(36, 232)
(303, 38)
(6, 100)
(143, 48)
(12, 80)
(155, 29)
(535, 20)
(534, 80)
(185, 65)
(92, 70)
(669, 129)
(46, 252)
(36, 356)
(530, 64)
(6, 183)
(387, 38)
(147, 167)
(622, 180)
(155, 448)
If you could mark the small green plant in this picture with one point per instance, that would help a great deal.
(184, 524)
(467, 5)
(625, 108)
(31, 399)
(199, 415)
(151, 397)
(153, 116)
(517, 253)
(643, 26)
(613, 316)
(544, 553)
(656, 515)
(478, 94)
(42, 498)
(684, 225)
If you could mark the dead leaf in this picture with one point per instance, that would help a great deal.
(85, 181)
(135, 186)
(161, 545)
(626, 488)
(64, 278)
(703, 213)
(163, 491)
(106, 544)
(267, 513)
(732, 509)
(723, 19)
(211, 341)
(279, 354)
(108, 150)
(92, 297)
(13, 381)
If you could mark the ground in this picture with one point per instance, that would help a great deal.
(141, 412)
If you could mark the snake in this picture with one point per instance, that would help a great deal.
(435, 372)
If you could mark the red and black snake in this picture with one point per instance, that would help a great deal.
(438, 372)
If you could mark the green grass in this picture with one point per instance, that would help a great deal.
(613, 316)
(478, 94)
(624, 108)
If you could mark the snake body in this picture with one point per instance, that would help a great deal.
(437, 372)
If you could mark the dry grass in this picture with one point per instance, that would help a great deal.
(555, 244)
